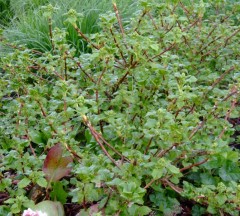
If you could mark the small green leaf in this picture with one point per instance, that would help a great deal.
(173, 169)
(191, 79)
(157, 173)
(58, 193)
(15, 208)
(155, 47)
(48, 10)
(72, 16)
(36, 137)
(229, 171)
(144, 210)
(207, 179)
(211, 209)
(221, 199)
(42, 182)
(24, 182)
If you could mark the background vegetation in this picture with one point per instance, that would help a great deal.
(29, 27)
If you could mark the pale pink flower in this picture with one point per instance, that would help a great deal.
(30, 212)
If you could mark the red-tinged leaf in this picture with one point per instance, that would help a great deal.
(55, 166)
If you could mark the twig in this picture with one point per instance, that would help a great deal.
(120, 81)
(234, 91)
(209, 34)
(140, 20)
(225, 44)
(179, 110)
(201, 124)
(102, 146)
(228, 38)
(171, 185)
(215, 39)
(165, 181)
(118, 18)
(85, 37)
(97, 93)
(194, 155)
(117, 45)
(50, 32)
(116, 151)
(27, 136)
(100, 139)
(19, 48)
(167, 49)
(147, 148)
(153, 22)
(72, 152)
(99, 80)
(26, 130)
(185, 10)
(39, 77)
(233, 105)
(45, 116)
(58, 75)
(80, 66)
(193, 165)
(221, 77)
(19, 114)
(150, 183)
(193, 24)
(65, 67)
(163, 152)
(42, 110)
(195, 130)
(168, 29)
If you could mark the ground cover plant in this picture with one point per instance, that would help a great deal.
(140, 125)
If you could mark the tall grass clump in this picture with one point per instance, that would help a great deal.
(5, 12)
(31, 28)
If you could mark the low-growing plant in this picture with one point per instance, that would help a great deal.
(145, 114)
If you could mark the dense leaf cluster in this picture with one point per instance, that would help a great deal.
(144, 114)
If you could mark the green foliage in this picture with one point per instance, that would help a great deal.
(5, 12)
(58, 193)
(145, 114)
(29, 26)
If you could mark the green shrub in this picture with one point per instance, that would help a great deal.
(145, 115)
